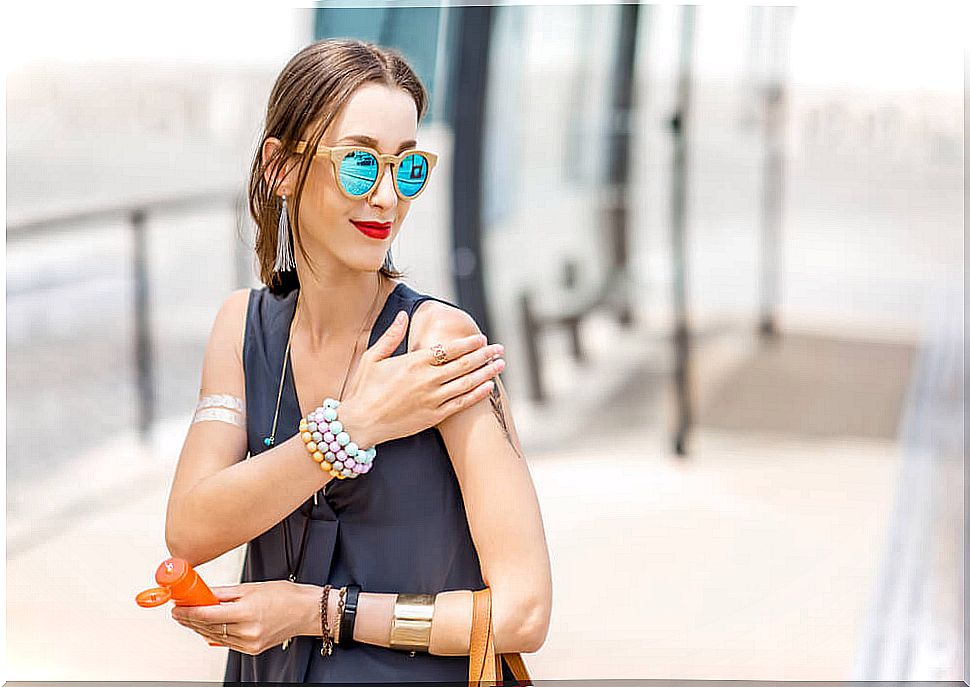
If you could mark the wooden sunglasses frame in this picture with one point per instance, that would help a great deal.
(336, 154)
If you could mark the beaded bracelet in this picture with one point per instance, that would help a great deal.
(327, 647)
(340, 612)
(330, 446)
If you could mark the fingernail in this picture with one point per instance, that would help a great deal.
(400, 318)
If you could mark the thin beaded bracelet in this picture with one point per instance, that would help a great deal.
(327, 647)
(340, 612)
(330, 446)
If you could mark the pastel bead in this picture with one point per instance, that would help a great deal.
(343, 438)
(328, 437)
(329, 414)
(304, 425)
(367, 467)
(363, 458)
(372, 453)
(317, 456)
(310, 426)
(334, 473)
(336, 427)
(311, 447)
(347, 472)
(334, 446)
(306, 436)
(331, 403)
(317, 437)
(350, 462)
(358, 468)
(330, 456)
(342, 455)
(351, 449)
(337, 465)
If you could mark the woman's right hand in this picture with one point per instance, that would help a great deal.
(389, 397)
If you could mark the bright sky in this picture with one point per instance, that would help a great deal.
(201, 31)
(882, 45)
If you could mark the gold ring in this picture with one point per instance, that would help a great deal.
(440, 357)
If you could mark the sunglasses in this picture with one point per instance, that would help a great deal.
(357, 169)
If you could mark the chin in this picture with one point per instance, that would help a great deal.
(368, 263)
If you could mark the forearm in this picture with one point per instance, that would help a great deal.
(450, 627)
(240, 502)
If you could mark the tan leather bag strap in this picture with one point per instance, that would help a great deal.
(484, 666)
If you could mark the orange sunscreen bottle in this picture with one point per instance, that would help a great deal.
(180, 583)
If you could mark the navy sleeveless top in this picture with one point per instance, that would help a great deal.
(401, 528)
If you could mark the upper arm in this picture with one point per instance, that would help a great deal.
(212, 445)
(500, 499)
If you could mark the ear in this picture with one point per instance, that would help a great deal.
(284, 174)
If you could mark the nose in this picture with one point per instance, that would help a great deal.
(383, 195)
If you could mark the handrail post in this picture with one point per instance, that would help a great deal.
(530, 329)
(678, 211)
(570, 278)
(142, 319)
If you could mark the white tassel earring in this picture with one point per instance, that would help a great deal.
(284, 248)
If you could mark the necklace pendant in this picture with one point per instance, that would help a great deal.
(292, 577)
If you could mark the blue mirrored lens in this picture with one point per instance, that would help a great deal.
(412, 174)
(358, 172)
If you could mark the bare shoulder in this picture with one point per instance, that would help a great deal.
(435, 322)
(234, 307)
(223, 356)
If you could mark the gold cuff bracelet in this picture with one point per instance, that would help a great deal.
(411, 627)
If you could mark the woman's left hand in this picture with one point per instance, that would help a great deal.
(253, 616)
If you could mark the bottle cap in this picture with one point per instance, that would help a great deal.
(155, 596)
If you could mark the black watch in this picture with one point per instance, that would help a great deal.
(349, 616)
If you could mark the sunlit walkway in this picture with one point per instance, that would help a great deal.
(758, 557)
(752, 560)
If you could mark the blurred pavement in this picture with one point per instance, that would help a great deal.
(755, 558)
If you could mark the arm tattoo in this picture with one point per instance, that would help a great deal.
(496, 398)
(221, 408)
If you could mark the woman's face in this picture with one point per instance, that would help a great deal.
(380, 117)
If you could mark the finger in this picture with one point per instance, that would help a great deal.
(220, 613)
(214, 637)
(471, 381)
(213, 632)
(453, 349)
(458, 403)
(385, 346)
(469, 362)
(228, 592)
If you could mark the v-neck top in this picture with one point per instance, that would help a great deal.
(400, 528)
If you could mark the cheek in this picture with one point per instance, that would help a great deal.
(323, 200)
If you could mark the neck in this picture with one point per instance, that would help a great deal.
(337, 305)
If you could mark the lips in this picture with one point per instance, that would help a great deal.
(375, 230)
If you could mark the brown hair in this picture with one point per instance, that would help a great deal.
(307, 96)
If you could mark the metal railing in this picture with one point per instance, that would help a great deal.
(136, 213)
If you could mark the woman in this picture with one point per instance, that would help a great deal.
(339, 555)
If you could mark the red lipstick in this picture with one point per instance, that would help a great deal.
(375, 230)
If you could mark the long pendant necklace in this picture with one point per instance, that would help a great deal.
(271, 439)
